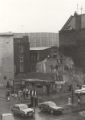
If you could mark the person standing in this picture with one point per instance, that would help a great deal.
(19, 95)
(79, 101)
(8, 95)
(24, 93)
(32, 99)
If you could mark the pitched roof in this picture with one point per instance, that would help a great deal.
(70, 23)
(41, 39)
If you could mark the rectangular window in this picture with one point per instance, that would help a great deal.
(21, 67)
(21, 59)
(21, 49)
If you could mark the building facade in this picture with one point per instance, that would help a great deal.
(21, 55)
(14, 57)
(6, 58)
(19, 52)
(72, 39)
(41, 39)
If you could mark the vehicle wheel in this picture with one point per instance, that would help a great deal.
(14, 113)
(59, 113)
(41, 109)
(22, 115)
(33, 116)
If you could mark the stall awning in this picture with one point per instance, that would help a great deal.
(38, 81)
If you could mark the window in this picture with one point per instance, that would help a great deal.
(21, 67)
(21, 48)
(21, 59)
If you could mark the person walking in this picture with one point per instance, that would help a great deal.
(79, 101)
(8, 95)
(32, 97)
(19, 95)
(24, 93)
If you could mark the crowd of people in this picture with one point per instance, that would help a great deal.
(25, 94)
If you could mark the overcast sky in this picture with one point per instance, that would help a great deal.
(37, 15)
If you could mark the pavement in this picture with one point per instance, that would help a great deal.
(60, 99)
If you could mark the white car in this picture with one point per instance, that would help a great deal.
(82, 90)
(22, 110)
(82, 113)
(7, 116)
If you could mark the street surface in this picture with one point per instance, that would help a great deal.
(5, 107)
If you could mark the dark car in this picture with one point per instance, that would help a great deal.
(22, 110)
(50, 107)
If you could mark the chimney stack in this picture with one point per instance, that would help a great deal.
(77, 21)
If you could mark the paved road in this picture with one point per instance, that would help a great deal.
(5, 107)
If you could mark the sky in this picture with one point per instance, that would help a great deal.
(37, 15)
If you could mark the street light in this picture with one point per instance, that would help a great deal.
(72, 88)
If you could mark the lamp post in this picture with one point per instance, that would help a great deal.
(72, 88)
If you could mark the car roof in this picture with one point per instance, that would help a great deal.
(48, 102)
(18, 105)
(6, 114)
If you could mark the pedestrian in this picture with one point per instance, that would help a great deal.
(79, 99)
(24, 93)
(8, 85)
(35, 98)
(32, 97)
(8, 95)
(19, 94)
(28, 93)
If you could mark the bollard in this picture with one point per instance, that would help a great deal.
(69, 101)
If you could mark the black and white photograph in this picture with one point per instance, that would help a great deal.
(42, 59)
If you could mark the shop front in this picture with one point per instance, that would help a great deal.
(42, 87)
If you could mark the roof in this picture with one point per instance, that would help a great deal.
(37, 81)
(39, 48)
(48, 102)
(6, 34)
(70, 23)
(36, 77)
(19, 105)
(38, 39)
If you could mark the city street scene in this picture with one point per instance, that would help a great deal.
(42, 60)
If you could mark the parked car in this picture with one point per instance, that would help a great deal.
(50, 107)
(80, 91)
(7, 116)
(22, 110)
(82, 113)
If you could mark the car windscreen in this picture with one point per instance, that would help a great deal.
(51, 104)
(22, 107)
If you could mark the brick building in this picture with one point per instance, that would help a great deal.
(72, 39)
(19, 52)
(21, 55)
